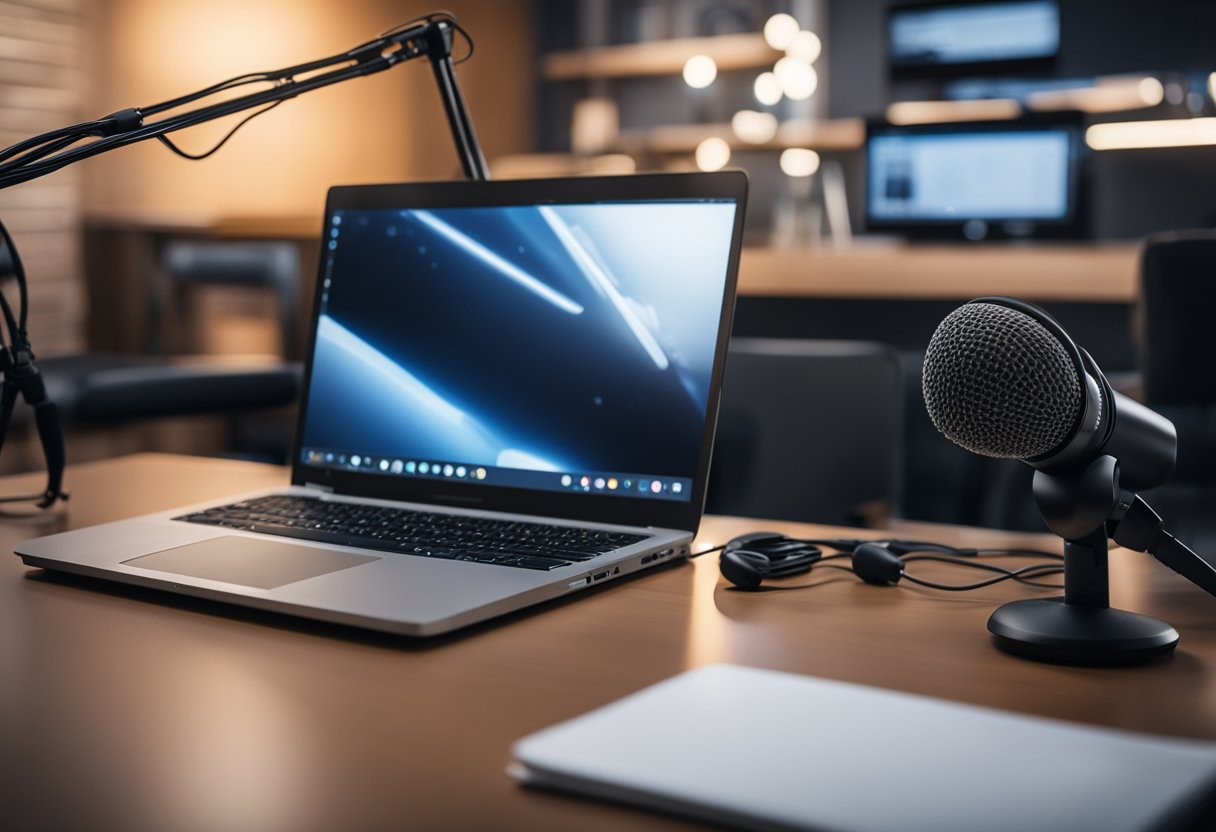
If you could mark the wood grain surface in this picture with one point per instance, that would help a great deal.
(123, 708)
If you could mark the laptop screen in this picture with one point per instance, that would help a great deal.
(559, 347)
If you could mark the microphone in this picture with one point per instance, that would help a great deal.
(1003, 379)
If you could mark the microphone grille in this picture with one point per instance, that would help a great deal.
(1000, 384)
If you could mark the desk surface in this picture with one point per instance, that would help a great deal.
(123, 708)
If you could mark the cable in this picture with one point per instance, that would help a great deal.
(167, 142)
(1036, 570)
(15, 326)
(441, 14)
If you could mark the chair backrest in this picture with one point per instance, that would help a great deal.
(1177, 301)
(808, 430)
(270, 265)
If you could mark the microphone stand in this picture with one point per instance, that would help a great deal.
(430, 36)
(1088, 508)
(433, 38)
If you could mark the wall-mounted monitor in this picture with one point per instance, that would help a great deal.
(976, 180)
(949, 38)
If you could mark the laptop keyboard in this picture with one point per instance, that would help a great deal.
(426, 534)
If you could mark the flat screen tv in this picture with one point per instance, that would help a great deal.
(976, 180)
(953, 38)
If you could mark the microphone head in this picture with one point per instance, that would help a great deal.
(999, 383)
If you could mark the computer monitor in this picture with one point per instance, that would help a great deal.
(976, 180)
(947, 38)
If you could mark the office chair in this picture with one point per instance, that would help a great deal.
(1176, 357)
(105, 389)
(188, 264)
(808, 430)
(1177, 299)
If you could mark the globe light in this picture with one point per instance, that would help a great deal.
(754, 127)
(806, 46)
(700, 71)
(712, 154)
(1152, 91)
(780, 31)
(798, 79)
(767, 89)
(799, 161)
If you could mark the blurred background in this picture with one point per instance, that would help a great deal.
(904, 158)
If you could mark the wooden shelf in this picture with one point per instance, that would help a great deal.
(1092, 273)
(1065, 272)
(666, 57)
(819, 134)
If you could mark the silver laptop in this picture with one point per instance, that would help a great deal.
(510, 397)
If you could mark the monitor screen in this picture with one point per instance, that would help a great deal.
(966, 34)
(941, 176)
(563, 347)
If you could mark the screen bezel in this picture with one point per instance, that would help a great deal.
(950, 70)
(1073, 225)
(669, 514)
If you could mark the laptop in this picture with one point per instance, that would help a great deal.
(509, 397)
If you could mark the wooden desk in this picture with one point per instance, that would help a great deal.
(128, 709)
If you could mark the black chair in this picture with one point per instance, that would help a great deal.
(187, 264)
(1177, 360)
(1177, 304)
(808, 430)
(101, 389)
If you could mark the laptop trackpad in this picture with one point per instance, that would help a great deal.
(264, 564)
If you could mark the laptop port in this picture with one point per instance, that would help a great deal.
(649, 559)
(599, 576)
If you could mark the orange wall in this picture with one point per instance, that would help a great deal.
(382, 128)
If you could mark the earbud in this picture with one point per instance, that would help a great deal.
(876, 564)
(743, 568)
(749, 559)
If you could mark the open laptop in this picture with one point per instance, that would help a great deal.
(510, 396)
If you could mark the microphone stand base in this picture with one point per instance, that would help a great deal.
(1050, 630)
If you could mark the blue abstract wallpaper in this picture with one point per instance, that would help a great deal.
(544, 338)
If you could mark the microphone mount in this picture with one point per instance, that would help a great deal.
(431, 36)
(1088, 508)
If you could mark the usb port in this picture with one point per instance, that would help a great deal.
(649, 559)
(599, 576)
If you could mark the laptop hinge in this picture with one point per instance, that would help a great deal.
(327, 489)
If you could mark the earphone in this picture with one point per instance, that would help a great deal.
(747, 560)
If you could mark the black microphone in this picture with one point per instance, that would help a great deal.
(1003, 379)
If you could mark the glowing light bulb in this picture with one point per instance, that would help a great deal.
(798, 79)
(806, 46)
(768, 88)
(713, 154)
(700, 71)
(780, 31)
(799, 161)
(1152, 91)
(754, 127)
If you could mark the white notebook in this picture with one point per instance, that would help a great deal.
(766, 750)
